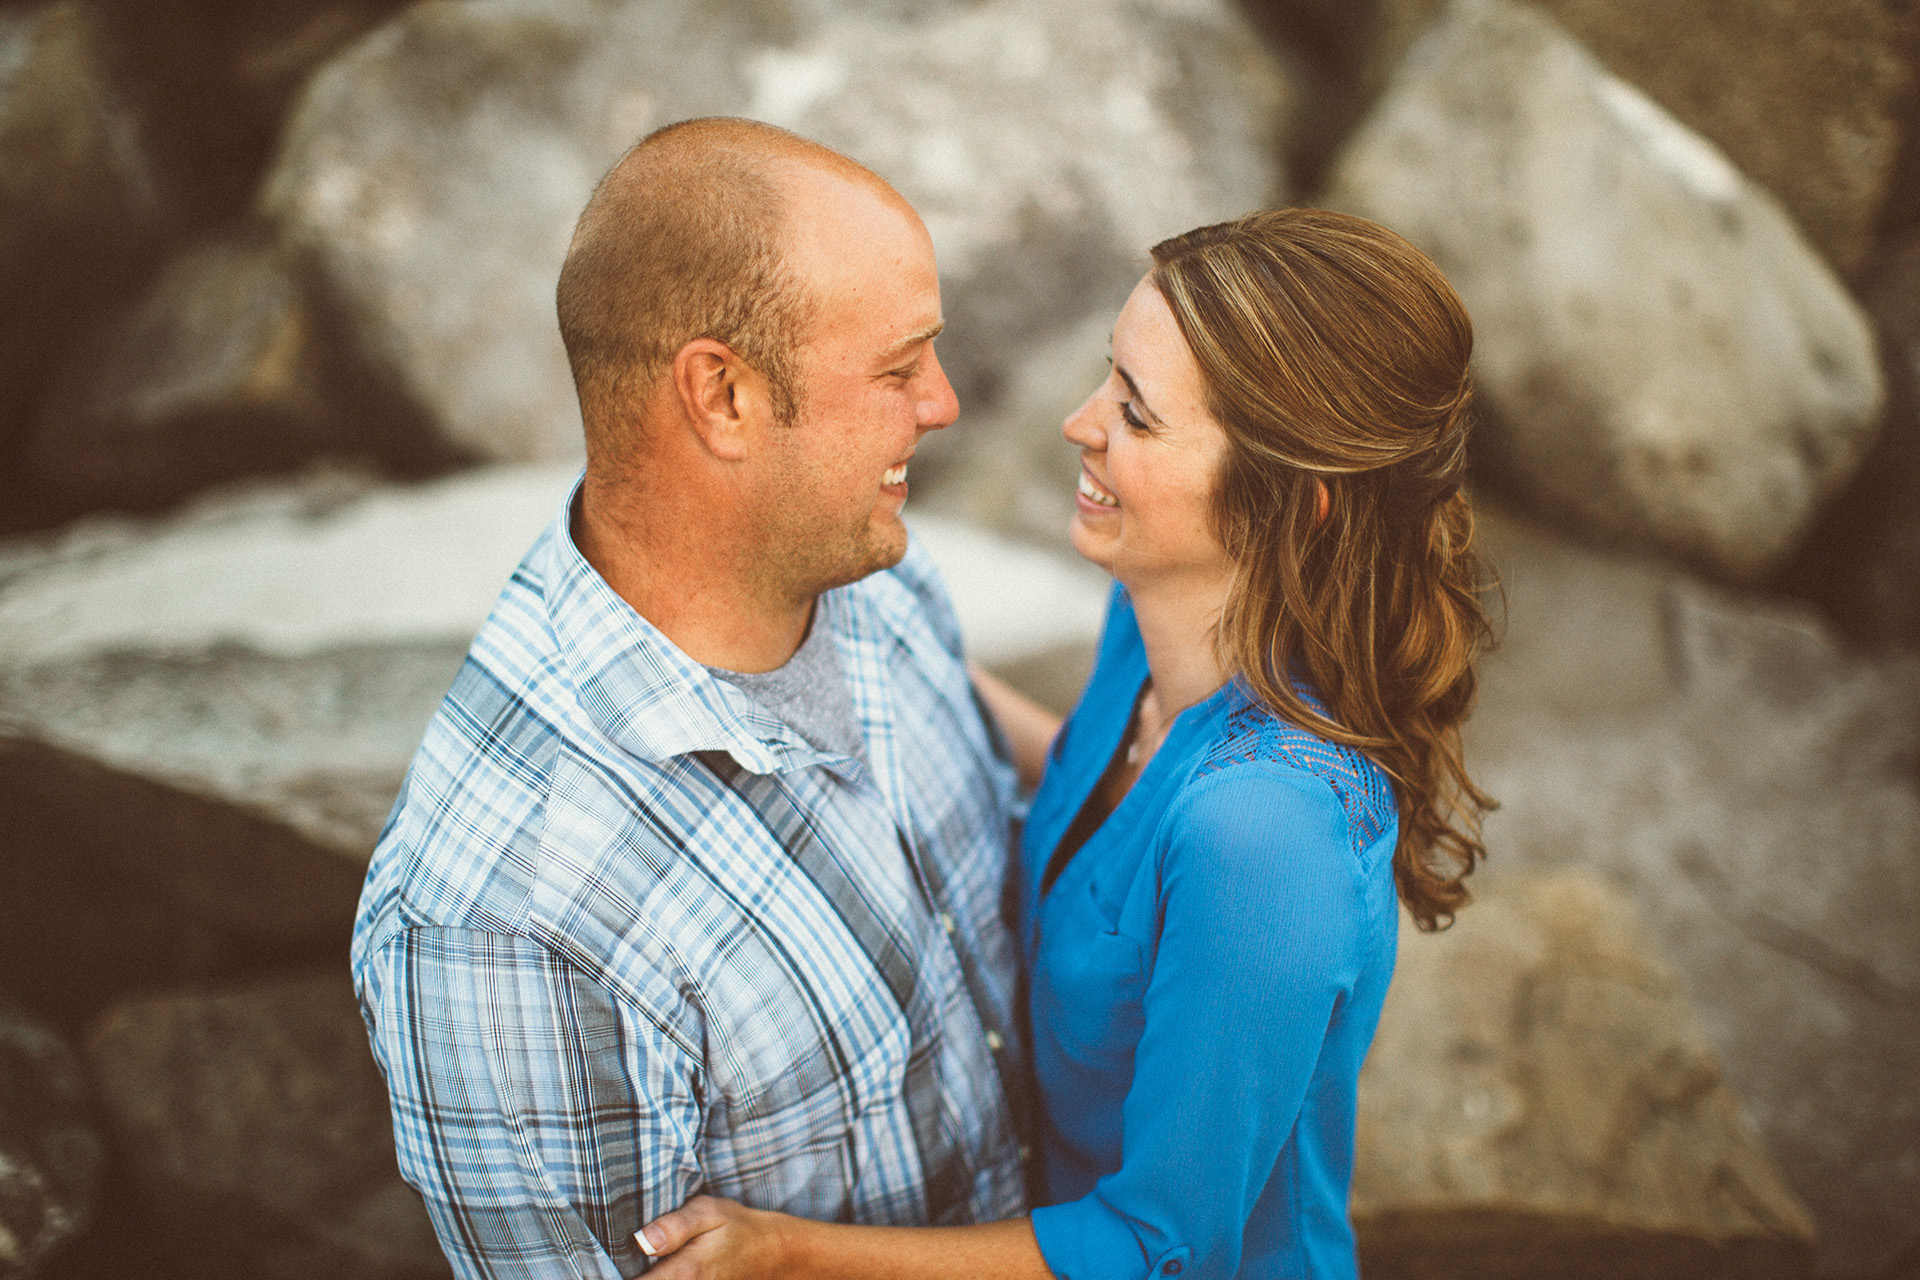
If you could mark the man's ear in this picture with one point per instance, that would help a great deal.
(724, 398)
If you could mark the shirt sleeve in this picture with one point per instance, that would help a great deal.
(541, 1121)
(1262, 928)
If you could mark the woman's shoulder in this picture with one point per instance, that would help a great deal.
(1258, 750)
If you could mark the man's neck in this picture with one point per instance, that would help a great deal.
(688, 579)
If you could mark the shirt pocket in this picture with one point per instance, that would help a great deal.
(1088, 983)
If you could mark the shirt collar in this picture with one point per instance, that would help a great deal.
(648, 697)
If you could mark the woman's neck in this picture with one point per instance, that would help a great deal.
(1177, 618)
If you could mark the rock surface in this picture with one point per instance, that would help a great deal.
(1752, 786)
(211, 83)
(1804, 96)
(1539, 1102)
(78, 204)
(432, 174)
(1666, 361)
(223, 705)
(257, 1126)
(51, 1153)
(1862, 562)
(221, 370)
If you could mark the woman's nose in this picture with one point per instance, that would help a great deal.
(1082, 426)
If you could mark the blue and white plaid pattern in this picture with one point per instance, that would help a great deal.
(628, 937)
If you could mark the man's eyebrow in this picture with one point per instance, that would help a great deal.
(912, 340)
(1133, 389)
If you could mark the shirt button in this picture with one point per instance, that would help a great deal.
(994, 1042)
(947, 922)
(1026, 1152)
(1173, 1267)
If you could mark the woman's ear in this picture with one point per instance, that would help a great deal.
(1323, 502)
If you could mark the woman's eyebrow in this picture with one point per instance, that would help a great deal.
(1133, 389)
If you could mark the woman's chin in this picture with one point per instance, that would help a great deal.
(1090, 545)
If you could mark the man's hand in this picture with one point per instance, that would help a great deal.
(708, 1238)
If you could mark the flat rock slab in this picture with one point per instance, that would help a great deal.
(257, 1127)
(51, 1150)
(1668, 363)
(1750, 784)
(222, 706)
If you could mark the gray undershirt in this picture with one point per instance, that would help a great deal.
(809, 693)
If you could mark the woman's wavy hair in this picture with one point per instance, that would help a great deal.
(1335, 354)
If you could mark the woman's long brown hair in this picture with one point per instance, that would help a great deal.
(1335, 354)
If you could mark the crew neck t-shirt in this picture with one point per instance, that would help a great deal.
(809, 692)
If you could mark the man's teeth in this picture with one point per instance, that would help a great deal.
(1094, 493)
(898, 475)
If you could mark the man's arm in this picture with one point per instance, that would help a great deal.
(541, 1121)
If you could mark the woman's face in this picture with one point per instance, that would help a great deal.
(1150, 455)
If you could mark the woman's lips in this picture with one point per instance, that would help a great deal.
(1092, 492)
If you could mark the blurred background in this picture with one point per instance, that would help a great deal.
(282, 401)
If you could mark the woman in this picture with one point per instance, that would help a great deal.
(1268, 748)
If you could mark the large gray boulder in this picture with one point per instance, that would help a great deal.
(1750, 784)
(1666, 362)
(1805, 96)
(431, 175)
(256, 1126)
(221, 369)
(51, 1151)
(1539, 1101)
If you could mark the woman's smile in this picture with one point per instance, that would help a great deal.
(1091, 491)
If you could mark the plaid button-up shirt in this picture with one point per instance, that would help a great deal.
(627, 936)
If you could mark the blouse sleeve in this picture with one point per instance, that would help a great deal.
(1263, 921)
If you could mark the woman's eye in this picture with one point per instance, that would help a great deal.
(1131, 418)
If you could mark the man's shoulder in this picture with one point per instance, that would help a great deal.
(510, 764)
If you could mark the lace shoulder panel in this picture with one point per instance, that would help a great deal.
(1364, 791)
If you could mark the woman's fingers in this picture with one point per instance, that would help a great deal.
(671, 1231)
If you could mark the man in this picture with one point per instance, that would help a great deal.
(694, 882)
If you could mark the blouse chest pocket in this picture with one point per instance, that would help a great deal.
(1088, 982)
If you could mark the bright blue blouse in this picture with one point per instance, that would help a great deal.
(1207, 973)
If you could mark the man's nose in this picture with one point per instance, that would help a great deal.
(939, 406)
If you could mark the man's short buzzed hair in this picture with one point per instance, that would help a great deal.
(683, 239)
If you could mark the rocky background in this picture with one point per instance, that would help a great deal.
(282, 401)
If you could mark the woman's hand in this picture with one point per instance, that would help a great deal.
(708, 1238)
